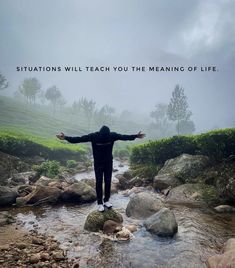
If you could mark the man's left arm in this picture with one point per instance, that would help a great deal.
(122, 137)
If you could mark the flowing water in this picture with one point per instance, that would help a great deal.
(201, 233)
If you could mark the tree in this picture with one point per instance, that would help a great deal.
(3, 82)
(161, 124)
(29, 88)
(178, 109)
(53, 95)
(42, 97)
(88, 108)
(104, 115)
(61, 102)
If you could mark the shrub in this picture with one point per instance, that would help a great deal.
(48, 168)
(217, 145)
(121, 153)
(71, 163)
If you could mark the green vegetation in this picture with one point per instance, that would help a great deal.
(25, 145)
(71, 164)
(216, 144)
(48, 168)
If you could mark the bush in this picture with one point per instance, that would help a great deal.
(48, 168)
(121, 153)
(71, 163)
(217, 145)
(157, 152)
(28, 146)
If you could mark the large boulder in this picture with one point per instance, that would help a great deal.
(164, 181)
(193, 193)
(225, 260)
(95, 220)
(7, 195)
(41, 195)
(162, 223)
(185, 167)
(79, 192)
(143, 205)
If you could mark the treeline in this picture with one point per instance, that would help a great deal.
(166, 119)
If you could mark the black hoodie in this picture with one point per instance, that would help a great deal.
(102, 143)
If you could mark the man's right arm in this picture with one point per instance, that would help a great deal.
(85, 138)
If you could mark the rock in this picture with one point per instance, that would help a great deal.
(165, 181)
(124, 234)
(124, 180)
(21, 245)
(143, 205)
(7, 195)
(114, 188)
(23, 177)
(185, 167)
(132, 228)
(6, 218)
(58, 255)
(4, 247)
(10, 164)
(162, 223)
(95, 220)
(135, 190)
(43, 194)
(90, 182)
(111, 227)
(37, 241)
(193, 193)
(138, 182)
(25, 189)
(35, 258)
(224, 208)
(79, 192)
(226, 187)
(43, 181)
(227, 259)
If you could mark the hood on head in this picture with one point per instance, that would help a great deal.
(104, 131)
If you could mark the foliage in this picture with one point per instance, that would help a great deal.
(3, 82)
(53, 95)
(216, 144)
(71, 163)
(178, 109)
(145, 171)
(122, 152)
(29, 88)
(48, 168)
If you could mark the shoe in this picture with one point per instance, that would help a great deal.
(108, 204)
(100, 208)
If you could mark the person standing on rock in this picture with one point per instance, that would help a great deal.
(102, 146)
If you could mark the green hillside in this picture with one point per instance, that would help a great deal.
(35, 120)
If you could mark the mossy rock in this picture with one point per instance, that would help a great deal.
(95, 220)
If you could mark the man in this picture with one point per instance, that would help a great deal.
(102, 146)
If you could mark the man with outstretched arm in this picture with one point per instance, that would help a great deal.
(102, 147)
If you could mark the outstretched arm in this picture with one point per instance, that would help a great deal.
(85, 138)
(129, 137)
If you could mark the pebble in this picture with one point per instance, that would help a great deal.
(58, 256)
(34, 258)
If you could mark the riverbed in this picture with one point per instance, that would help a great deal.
(201, 233)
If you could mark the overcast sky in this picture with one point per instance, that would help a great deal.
(126, 33)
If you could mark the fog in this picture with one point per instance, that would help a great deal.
(126, 33)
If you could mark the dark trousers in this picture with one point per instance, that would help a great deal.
(103, 171)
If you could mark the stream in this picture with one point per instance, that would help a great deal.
(201, 233)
